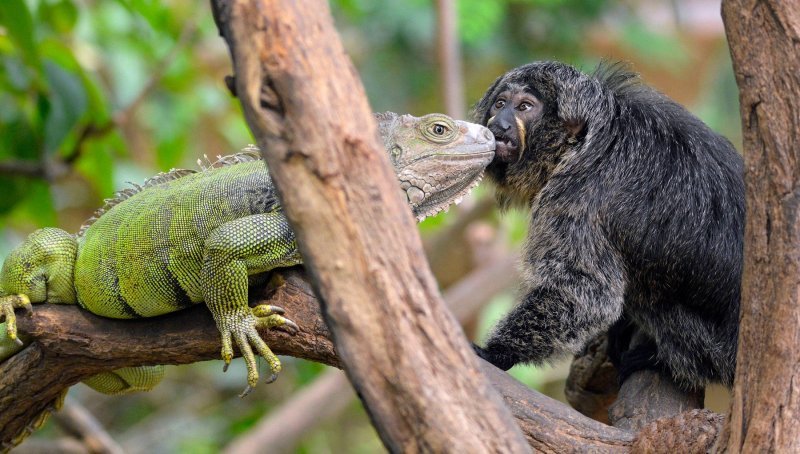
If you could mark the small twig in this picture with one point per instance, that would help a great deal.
(63, 445)
(451, 81)
(76, 420)
(21, 168)
(321, 400)
(89, 131)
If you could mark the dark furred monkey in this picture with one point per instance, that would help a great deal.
(637, 217)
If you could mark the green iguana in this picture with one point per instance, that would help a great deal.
(186, 237)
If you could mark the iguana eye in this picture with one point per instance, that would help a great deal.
(437, 128)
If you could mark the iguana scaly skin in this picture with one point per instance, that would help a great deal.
(186, 237)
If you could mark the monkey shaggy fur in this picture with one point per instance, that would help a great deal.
(637, 217)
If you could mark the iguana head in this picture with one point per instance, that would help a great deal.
(438, 160)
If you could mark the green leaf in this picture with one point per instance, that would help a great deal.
(17, 74)
(61, 15)
(656, 47)
(62, 55)
(12, 190)
(170, 151)
(68, 103)
(18, 138)
(478, 20)
(97, 165)
(36, 205)
(17, 20)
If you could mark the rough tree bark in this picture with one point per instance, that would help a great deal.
(396, 339)
(764, 37)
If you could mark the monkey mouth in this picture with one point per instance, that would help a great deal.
(505, 148)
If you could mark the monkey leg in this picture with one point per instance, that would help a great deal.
(619, 339)
(630, 349)
(689, 349)
(642, 355)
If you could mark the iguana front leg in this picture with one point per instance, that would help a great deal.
(38, 270)
(234, 251)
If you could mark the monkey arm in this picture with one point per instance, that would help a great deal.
(575, 287)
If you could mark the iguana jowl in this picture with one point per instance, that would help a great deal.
(187, 237)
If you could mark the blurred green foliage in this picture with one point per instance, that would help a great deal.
(94, 93)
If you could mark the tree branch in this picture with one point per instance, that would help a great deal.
(77, 421)
(646, 396)
(69, 344)
(404, 352)
(765, 410)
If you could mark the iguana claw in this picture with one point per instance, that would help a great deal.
(241, 327)
(273, 309)
(7, 305)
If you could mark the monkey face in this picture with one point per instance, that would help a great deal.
(522, 110)
(509, 116)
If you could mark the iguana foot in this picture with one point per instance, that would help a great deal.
(7, 305)
(241, 326)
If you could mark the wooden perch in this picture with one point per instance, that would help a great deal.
(592, 388)
(71, 344)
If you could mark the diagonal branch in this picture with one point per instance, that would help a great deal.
(403, 351)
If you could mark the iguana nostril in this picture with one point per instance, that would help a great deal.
(415, 194)
(488, 134)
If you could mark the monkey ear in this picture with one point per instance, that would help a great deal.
(576, 128)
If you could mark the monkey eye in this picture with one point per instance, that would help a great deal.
(499, 103)
(524, 106)
(439, 129)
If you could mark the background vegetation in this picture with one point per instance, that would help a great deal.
(96, 93)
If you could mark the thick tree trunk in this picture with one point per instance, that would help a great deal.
(764, 37)
(402, 350)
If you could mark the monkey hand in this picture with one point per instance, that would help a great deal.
(500, 360)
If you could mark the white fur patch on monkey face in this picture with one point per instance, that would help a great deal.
(512, 111)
